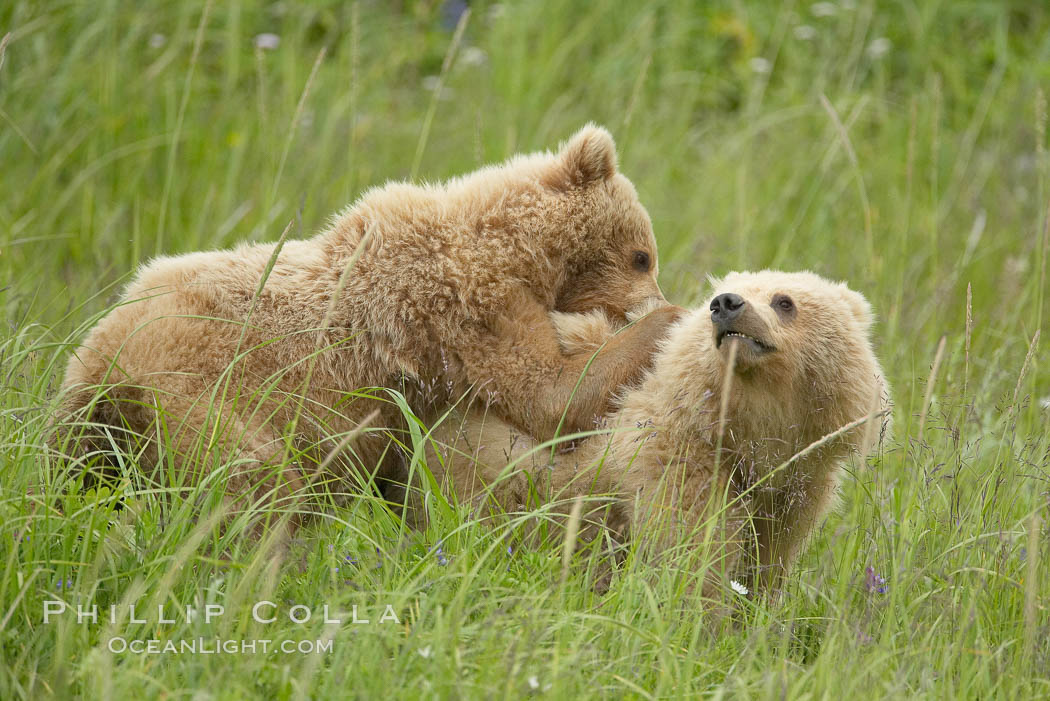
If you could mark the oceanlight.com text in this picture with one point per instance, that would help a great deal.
(217, 646)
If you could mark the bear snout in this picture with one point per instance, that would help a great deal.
(733, 317)
(725, 308)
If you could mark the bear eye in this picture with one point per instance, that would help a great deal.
(783, 303)
(641, 261)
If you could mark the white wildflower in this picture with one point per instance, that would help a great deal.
(267, 41)
(761, 65)
(496, 11)
(879, 48)
(1045, 402)
(534, 684)
(432, 83)
(473, 56)
(1015, 266)
(738, 587)
(425, 652)
(823, 9)
(804, 32)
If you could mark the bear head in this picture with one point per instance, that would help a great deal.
(614, 266)
(796, 349)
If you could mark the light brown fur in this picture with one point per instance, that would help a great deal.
(431, 290)
(669, 482)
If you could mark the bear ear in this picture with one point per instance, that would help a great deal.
(589, 156)
(860, 307)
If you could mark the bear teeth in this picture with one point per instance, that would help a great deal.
(765, 348)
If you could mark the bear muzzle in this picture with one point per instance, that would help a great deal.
(734, 319)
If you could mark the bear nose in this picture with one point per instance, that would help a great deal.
(726, 307)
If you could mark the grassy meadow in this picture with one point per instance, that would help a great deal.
(898, 145)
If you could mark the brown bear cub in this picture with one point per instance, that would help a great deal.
(267, 351)
(709, 450)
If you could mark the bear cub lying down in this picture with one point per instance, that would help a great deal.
(434, 290)
(690, 447)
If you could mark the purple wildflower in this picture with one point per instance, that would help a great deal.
(875, 582)
(441, 559)
(451, 12)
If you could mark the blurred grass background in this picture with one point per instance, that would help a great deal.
(898, 145)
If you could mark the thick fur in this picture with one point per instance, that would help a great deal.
(433, 290)
(675, 473)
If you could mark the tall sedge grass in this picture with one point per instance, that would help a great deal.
(914, 169)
